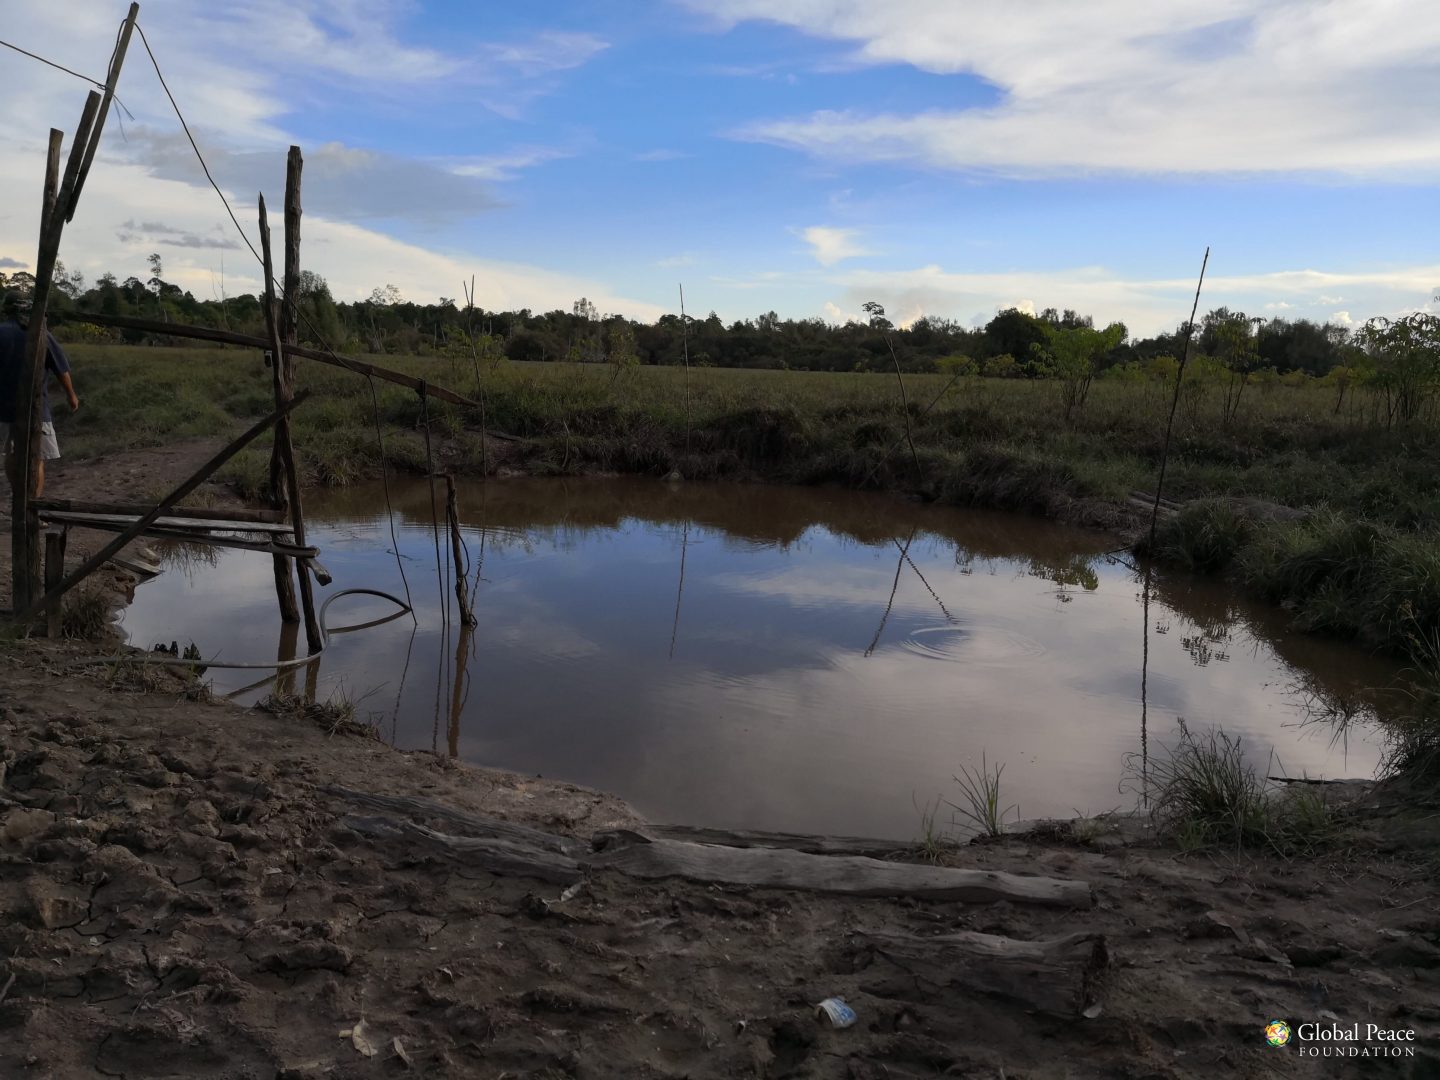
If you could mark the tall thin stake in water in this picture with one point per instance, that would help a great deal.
(1175, 399)
(475, 360)
(685, 347)
(1149, 561)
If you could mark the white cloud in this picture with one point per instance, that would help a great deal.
(661, 154)
(507, 165)
(1341, 318)
(685, 259)
(1191, 86)
(831, 245)
(126, 212)
(237, 72)
(1146, 306)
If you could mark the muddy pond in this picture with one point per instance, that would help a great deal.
(779, 658)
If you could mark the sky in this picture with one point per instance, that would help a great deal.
(942, 157)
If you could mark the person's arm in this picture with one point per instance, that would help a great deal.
(70, 394)
(59, 363)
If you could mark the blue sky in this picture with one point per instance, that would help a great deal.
(804, 156)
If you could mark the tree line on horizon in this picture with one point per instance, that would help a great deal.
(1399, 357)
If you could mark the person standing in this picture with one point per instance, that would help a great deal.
(12, 356)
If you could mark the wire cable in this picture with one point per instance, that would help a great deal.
(181, 116)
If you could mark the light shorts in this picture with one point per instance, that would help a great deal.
(49, 448)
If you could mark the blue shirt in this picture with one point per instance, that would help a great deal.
(12, 353)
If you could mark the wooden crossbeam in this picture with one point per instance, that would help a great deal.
(27, 612)
(121, 521)
(229, 337)
(87, 506)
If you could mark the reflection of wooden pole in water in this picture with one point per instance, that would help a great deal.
(933, 594)
(312, 679)
(680, 588)
(457, 550)
(400, 689)
(1144, 694)
(287, 650)
(457, 697)
(894, 587)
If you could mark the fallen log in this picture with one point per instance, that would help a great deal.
(518, 835)
(506, 848)
(853, 875)
(814, 845)
(496, 856)
(1063, 976)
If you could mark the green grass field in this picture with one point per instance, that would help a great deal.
(1000, 442)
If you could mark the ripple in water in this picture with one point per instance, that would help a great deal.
(962, 644)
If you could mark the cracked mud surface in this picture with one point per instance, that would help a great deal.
(180, 898)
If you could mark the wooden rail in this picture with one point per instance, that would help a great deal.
(229, 337)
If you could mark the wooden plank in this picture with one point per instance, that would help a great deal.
(284, 447)
(112, 80)
(228, 337)
(87, 506)
(109, 521)
(130, 533)
(184, 536)
(815, 845)
(853, 875)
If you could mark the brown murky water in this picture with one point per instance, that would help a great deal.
(782, 658)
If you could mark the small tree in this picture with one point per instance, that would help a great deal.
(1406, 358)
(1073, 356)
(1237, 351)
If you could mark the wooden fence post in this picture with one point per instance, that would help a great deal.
(282, 437)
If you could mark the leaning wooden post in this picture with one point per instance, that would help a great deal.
(130, 532)
(282, 438)
(112, 79)
(24, 538)
(280, 367)
(30, 396)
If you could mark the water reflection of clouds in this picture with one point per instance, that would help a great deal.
(769, 714)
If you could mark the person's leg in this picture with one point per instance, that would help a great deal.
(9, 455)
(49, 451)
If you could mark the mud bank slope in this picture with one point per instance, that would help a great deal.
(180, 897)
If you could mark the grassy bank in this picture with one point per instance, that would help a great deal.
(1364, 565)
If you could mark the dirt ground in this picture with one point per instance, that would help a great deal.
(180, 896)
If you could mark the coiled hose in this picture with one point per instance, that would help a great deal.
(277, 665)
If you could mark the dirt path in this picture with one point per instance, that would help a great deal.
(180, 898)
